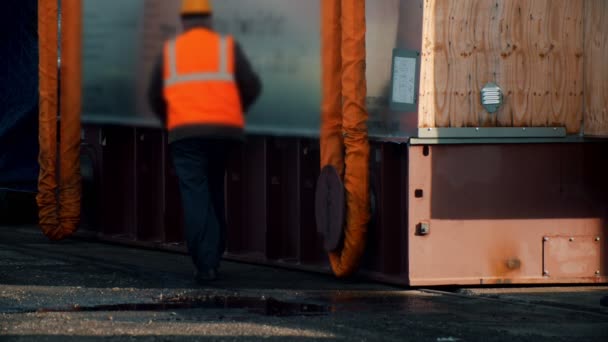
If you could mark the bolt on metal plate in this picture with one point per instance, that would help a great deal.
(424, 228)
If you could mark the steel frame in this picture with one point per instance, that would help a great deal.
(485, 208)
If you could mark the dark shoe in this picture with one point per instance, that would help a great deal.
(206, 276)
(604, 301)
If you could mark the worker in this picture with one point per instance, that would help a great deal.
(200, 88)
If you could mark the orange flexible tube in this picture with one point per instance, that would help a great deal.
(354, 125)
(47, 158)
(59, 204)
(69, 147)
(332, 143)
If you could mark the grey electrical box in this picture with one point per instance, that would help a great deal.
(404, 80)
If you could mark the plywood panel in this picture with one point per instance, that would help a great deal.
(426, 107)
(596, 70)
(539, 52)
(530, 48)
(513, 67)
(514, 63)
(486, 29)
(567, 65)
(438, 41)
(461, 63)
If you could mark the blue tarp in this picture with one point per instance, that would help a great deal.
(18, 95)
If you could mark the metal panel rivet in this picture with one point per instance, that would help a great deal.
(545, 238)
(424, 228)
(546, 273)
(597, 238)
(597, 273)
(571, 239)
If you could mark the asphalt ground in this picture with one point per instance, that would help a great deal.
(78, 290)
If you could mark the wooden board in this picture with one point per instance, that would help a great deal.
(567, 92)
(426, 96)
(531, 48)
(596, 70)
(485, 30)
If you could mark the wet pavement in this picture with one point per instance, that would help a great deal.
(84, 291)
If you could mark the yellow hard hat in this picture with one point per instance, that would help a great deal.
(196, 7)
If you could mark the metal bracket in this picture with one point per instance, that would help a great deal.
(423, 229)
(491, 132)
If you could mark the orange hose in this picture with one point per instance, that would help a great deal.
(69, 148)
(356, 178)
(47, 158)
(59, 205)
(332, 144)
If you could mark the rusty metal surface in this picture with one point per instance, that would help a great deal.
(571, 256)
(90, 161)
(291, 238)
(310, 244)
(488, 208)
(117, 181)
(270, 194)
(128, 189)
(172, 206)
(270, 188)
(283, 215)
(387, 235)
(509, 182)
(330, 208)
(149, 184)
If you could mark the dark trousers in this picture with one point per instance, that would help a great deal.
(201, 165)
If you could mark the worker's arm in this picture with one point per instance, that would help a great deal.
(155, 92)
(247, 80)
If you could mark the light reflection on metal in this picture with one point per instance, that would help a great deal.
(122, 41)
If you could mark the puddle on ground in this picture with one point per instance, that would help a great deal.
(273, 307)
(262, 306)
(345, 302)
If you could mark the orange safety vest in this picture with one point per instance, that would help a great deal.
(199, 83)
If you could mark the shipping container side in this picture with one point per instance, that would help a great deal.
(442, 214)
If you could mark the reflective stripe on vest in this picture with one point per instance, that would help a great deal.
(221, 75)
